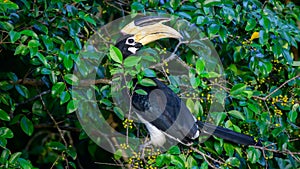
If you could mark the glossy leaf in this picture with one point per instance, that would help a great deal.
(147, 82)
(6, 132)
(54, 145)
(22, 90)
(131, 61)
(250, 24)
(141, 92)
(237, 114)
(115, 54)
(26, 126)
(72, 106)
(14, 36)
(119, 112)
(58, 88)
(71, 79)
(4, 116)
(29, 33)
(253, 154)
(37, 109)
(174, 150)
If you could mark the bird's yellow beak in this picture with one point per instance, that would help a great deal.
(149, 29)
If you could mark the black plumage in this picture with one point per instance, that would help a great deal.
(164, 113)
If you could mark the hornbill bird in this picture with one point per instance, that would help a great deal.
(161, 110)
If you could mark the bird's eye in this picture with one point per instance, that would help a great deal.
(130, 41)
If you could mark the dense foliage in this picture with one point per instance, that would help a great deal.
(40, 43)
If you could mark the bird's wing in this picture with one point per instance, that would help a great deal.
(165, 110)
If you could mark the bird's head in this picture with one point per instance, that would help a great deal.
(143, 31)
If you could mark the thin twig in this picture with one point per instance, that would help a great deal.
(170, 58)
(59, 131)
(266, 97)
(33, 98)
(88, 82)
(204, 156)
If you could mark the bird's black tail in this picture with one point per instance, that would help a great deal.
(227, 134)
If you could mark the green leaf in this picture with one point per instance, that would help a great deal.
(119, 112)
(59, 40)
(25, 164)
(86, 17)
(26, 126)
(161, 160)
(6, 26)
(4, 116)
(185, 15)
(287, 56)
(209, 3)
(147, 82)
(33, 43)
(72, 106)
(40, 27)
(5, 85)
(237, 114)
(277, 131)
(29, 33)
(253, 155)
(263, 37)
(174, 4)
(77, 42)
(57, 89)
(43, 59)
(213, 29)
(137, 6)
(292, 116)
(54, 145)
(238, 89)
(6, 133)
(131, 61)
(64, 97)
(250, 24)
(141, 92)
(218, 117)
(71, 79)
(149, 73)
(3, 142)
(4, 156)
(218, 147)
(115, 54)
(37, 109)
(233, 161)
(14, 157)
(22, 90)
(190, 104)
(228, 13)
(72, 153)
(229, 149)
(277, 49)
(68, 62)
(8, 5)
(191, 163)
(265, 22)
(21, 49)
(204, 165)
(200, 65)
(253, 107)
(118, 154)
(200, 20)
(174, 150)
(48, 42)
(14, 36)
(178, 162)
